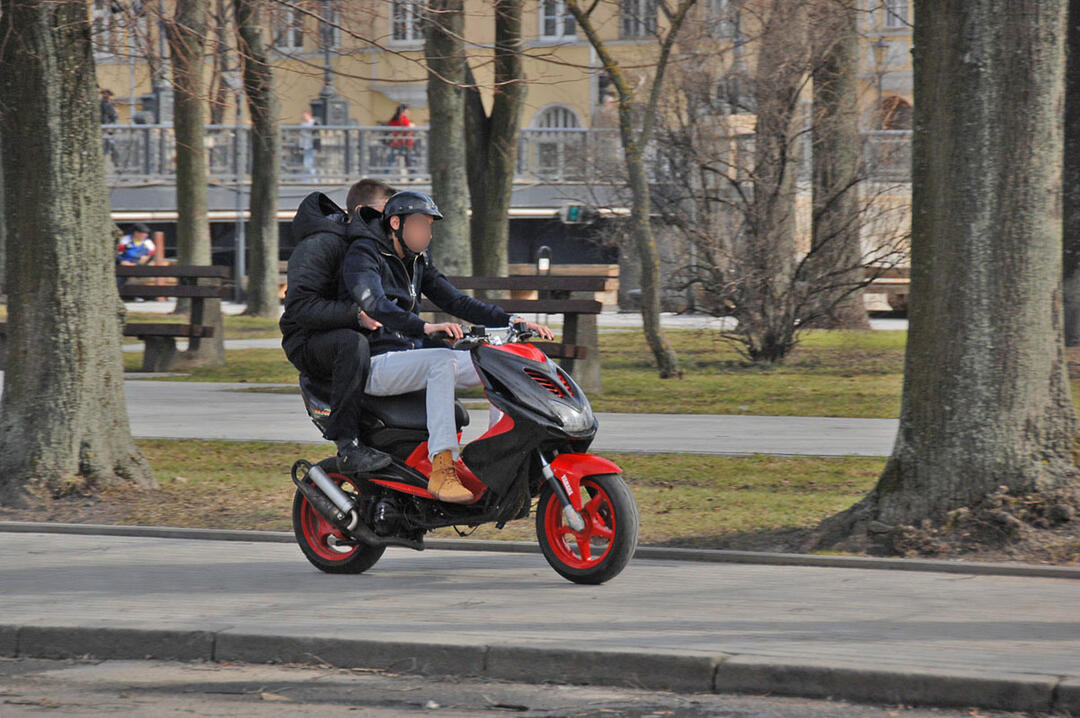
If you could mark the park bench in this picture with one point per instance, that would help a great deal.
(893, 282)
(578, 351)
(198, 284)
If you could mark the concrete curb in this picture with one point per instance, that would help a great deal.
(655, 553)
(697, 673)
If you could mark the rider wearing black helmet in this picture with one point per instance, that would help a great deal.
(386, 269)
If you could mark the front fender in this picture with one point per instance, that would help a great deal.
(570, 469)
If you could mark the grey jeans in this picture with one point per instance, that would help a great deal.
(440, 372)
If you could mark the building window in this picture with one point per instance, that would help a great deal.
(638, 18)
(287, 25)
(721, 17)
(405, 21)
(896, 14)
(107, 27)
(555, 22)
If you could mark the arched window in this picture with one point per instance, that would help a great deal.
(556, 117)
(558, 143)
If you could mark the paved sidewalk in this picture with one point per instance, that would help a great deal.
(233, 411)
(198, 410)
(891, 637)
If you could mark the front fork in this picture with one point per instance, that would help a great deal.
(573, 518)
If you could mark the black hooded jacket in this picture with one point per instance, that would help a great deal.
(388, 289)
(312, 302)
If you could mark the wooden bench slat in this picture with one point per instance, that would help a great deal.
(188, 291)
(526, 283)
(158, 330)
(174, 270)
(537, 306)
(167, 330)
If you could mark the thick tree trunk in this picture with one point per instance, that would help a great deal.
(187, 42)
(3, 234)
(63, 421)
(264, 109)
(1071, 193)
(836, 273)
(444, 47)
(492, 144)
(986, 399)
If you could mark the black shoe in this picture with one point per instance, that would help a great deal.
(355, 458)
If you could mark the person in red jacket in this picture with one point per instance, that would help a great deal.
(401, 143)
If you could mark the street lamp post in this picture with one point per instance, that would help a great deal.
(328, 108)
(235, 82)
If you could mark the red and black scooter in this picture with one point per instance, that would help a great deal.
(586, 516)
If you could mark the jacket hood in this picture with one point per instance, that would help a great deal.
(319, 213)
(367, 224)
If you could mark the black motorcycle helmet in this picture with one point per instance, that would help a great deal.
(409, 202)
(402, 205)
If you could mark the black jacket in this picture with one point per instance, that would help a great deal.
(374, 277)
(313, 302)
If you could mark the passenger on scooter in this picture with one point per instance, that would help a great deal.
(385, 271)
(320, 330)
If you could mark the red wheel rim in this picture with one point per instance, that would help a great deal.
(588, 548)
(318, 531)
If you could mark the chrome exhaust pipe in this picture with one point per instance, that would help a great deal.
(329, 508)
(325, 496)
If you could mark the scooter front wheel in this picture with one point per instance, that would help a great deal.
(600, 551)
(322, 542)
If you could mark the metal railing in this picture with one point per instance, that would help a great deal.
(326, 154)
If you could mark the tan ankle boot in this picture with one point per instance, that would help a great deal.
(444, 483)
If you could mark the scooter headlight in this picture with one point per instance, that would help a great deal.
(573, 419)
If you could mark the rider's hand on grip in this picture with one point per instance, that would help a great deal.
(446, 331)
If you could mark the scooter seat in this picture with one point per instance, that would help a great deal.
(403, 411)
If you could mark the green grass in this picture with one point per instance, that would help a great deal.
(237, 326)
(738, 502)
(830, 374)
(849, 374)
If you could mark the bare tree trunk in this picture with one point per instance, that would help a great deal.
(635, 143)
(444, 47)
(492, 145)
(1071, 193)
(264, 109)
(3, 232)
(766, 308)
(836, 161)
(219, 90)
(63, 421)
(986, 399)
(187, 41)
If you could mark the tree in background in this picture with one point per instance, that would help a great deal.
(491, 142)
(636, 134)
(444, 50)
(264, 108)
(187, 31)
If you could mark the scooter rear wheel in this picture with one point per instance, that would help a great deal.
(601, 551)
(319, 539)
